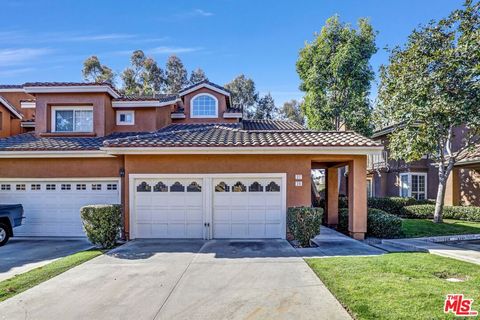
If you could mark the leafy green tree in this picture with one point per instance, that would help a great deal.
(265, 108)
(336, 75)
(143, 77)
(176, 75)
(197, 76)
(243, 94)
(94, 71)
(292, 110)
(431, 89)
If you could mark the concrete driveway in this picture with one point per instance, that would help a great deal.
(20, 255)
(166, 279)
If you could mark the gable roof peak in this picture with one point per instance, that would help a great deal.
(205, 84)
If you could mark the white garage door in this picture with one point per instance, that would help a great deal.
(169, 208)
(208, 206)
(248, 208)
(52, 208)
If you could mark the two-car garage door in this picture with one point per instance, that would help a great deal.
(52, 207)
(209, 206)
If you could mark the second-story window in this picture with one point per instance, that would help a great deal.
(72, 119)
(204, 106)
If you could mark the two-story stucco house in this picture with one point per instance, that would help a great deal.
(182, 166)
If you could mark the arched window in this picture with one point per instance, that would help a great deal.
(204, 105)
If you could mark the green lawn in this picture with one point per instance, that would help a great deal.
(413, 228)
(27, 280)
(397, 286)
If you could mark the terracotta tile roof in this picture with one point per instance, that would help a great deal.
(30, 142)
(471, 155)
(232, 135)
(69, 84)
(11, 86)
(271, 125)
(246, 134)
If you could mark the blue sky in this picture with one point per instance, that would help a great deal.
(48, 40)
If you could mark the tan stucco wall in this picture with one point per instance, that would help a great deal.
(290, 164)
(222, 107)
(99, 101)
(60, 168)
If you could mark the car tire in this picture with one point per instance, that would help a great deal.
(4, 234)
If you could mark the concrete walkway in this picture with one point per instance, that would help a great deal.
(167, 279)
(453, 250)
(335, 244)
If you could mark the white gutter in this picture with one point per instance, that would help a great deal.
(55, 154)
(343, 150)
(142, 103)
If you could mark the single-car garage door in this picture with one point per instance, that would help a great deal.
(52, 208)
(207, 206)
(248, 208)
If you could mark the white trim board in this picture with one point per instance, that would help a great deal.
(55, 154)
(142, 103)
(10, 107)
(247, 150)
(204, 85)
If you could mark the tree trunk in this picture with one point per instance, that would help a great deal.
(438, 215)
(443, 174)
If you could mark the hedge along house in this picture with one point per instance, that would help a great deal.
(182, 166)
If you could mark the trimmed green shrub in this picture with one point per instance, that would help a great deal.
(392, 205)
(304, 223)
(426, 211)
(102, 224)
(379, 223)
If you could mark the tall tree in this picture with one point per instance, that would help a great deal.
(197, 76)
(431, 87)
(176, 75)
(336, 74)
(292, 110)
(143, 77)
(265, 108)
(243, 94)
(94, 71)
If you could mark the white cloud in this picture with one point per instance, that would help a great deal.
(172, 50)
(10, 57)
(203, 13)
(14, 72)
(98, 37)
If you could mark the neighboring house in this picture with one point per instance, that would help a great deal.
(17, 111)
(419, 179)
(183, 166)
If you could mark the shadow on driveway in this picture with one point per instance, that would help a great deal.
(23, 254)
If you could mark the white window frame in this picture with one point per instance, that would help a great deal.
(124, 123)
(69, 108)
(409, 181)
(204, 94)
